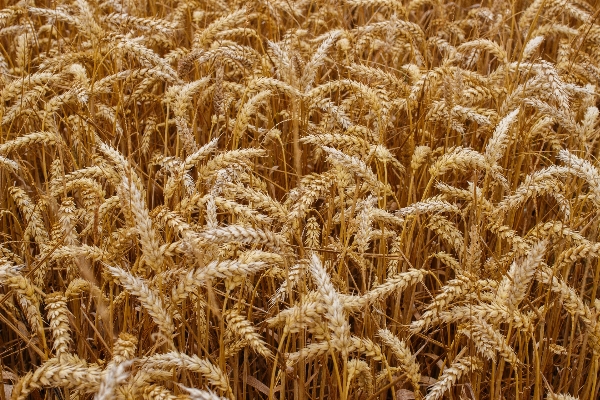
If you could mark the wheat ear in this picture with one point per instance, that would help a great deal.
(150, 300)
(405, 357)
(451, 375)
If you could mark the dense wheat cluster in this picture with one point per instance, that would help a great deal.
(293, 199)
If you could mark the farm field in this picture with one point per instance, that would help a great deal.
(294, 199)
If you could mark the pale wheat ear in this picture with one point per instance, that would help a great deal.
(560, 396)
(113, 377)
(193, 363)
(405, 358)
(57, 312)
(359, 370)
(335, 313)
(489, 341)
(124, 348)
(451, 374)
(149, 299)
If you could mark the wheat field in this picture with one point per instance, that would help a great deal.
(293, 199)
